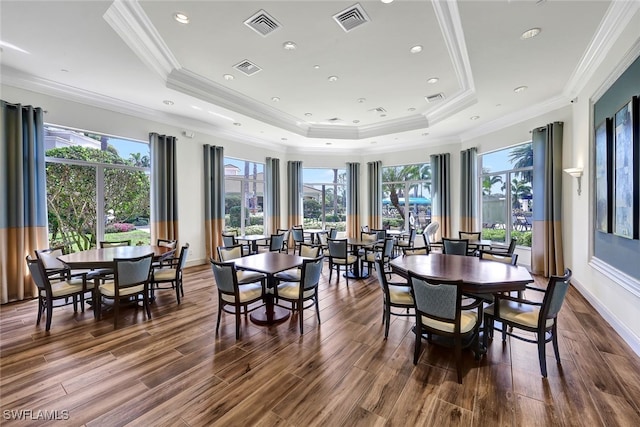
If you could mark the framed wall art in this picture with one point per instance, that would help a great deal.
(624, 172)
(604, 175)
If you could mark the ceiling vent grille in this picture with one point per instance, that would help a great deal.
(334, 120)
(262, 23)
(351, 18)
(378, 110)
(435, 98)
(247, 67)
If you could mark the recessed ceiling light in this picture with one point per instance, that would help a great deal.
(530, 33)
(520, 89)
(332, 78)
(386, 1)
(167, 102)
(356, 121)
(289, 45)
(411, 109)
(416, 49)
(237, 124)
(317, 67)
(433, 80)
(275, 99)
(308, 114)
(64, 70)
(361, 100)
(383, 115)
(327, 143)
(228, 77)
(425, 134)
(474, 117)
(181, 18)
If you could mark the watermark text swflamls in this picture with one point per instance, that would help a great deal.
(35, 415)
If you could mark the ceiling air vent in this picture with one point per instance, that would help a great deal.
(435, 98)
(262, 23)
(351, 18)
(247, 67)
(379, 110)
(334, 120)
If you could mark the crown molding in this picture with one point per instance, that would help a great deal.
(615, 21)
(625, 62)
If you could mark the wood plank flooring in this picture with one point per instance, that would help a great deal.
(175, 370)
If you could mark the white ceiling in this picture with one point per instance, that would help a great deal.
(132, 56)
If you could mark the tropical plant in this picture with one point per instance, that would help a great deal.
(395, 177)
(520, 189)
(522, 157)
(488, 181)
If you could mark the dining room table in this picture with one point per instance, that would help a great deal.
(99, 258)
(477, 275)
(252, 240)
(269, 263)
(356, 244)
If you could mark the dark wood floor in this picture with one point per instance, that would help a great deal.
(174, 369)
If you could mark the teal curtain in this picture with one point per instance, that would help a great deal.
(23, 198)
(294, 195)
(374, 176)
(272, 204)
(546, 247)
(164, 188)
(353, 200)
(441, 194)
(213, 198)
(469, 189)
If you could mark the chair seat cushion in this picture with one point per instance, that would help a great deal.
(248, 292)
(291, 290)
(108, 289)
(400, 295)
(245, 277)
(468, 320)
(164, 274)
(372, 256)
(292, 275)
(342, 261)
(68, 287)
(522, 314)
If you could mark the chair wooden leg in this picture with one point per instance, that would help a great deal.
(317, 307)
(116, 312)
(387, 320)
(220, 305)
(554, 340)
(237, 323)
(300, 310)
(40, 309)
(49, 313)
(541, 356)
(418, 344)
(178, 291)
(458, 351)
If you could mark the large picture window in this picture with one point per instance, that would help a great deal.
(507, 194)
(324, 198)
(244, 196)
(406, 197)
(97, 188)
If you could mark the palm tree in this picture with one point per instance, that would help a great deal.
(519, 190)
(488, 182)
(394, 179)
(522, 157)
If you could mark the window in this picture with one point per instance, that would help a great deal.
(97, 188)
(324, 198)
(507, 194)
(406, 197)
(244, 196)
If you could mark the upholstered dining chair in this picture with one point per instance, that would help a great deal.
(51, 288)
(295, 274)
(340, 256)
(105, 244)
(506, 250)
(298, 238)
(406, 242)
(439, 311)
(455, 246)
(130, 280)
(538, 318)
(287, 234)
(229, 253)
(231, 293)
(56, 269)
(306, 289)
(394, 295)
(276, 243)
(170, 272)
(384, 253)
(229, 239)
(423, 250)
(470, 236)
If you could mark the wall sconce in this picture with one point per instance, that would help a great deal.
(576, 173)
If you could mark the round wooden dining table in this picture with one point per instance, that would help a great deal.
(477, 275)
(103, 257)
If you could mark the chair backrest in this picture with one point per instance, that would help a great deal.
(512, 245)
(227, 253)
(427, 243)
(469, 235)
(437, 300)
(333, 233)
(182, 261)
(50, 259)
(368, 236)
(455, 246)
(167, 243)
(416, 251)
(364, 229)
(412, 235)
(38, 274)
(132, 271)
(554, 297)
(337, 248)
(382, 234)
(499, 257)
(322, 238)
(298, 235)
(382, 278)
(115, 244)
(430, 231)
(229, 239)
(309, 251)
(311, 271)
(225, 276)
(276, 243)
(387, 248)
(286, 233)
